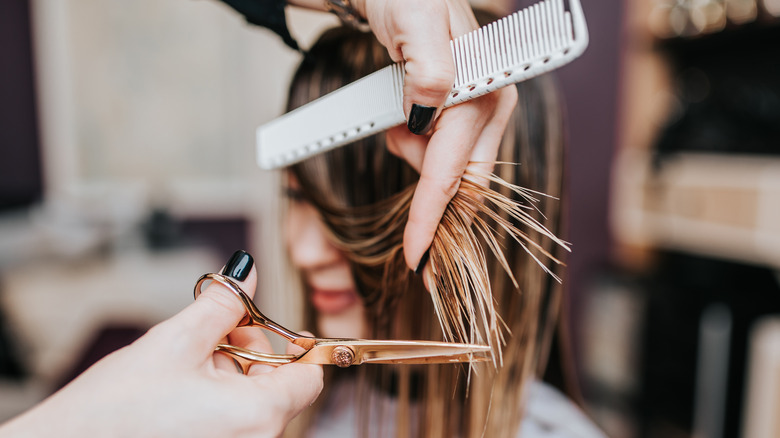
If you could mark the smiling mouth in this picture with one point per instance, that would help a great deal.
(333, 301)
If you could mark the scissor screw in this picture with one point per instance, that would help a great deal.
(342, 356)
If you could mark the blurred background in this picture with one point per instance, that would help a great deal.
(127, 170)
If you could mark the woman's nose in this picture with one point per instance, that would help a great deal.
(307, 241)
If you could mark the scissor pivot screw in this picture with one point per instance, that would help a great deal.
(342, 356)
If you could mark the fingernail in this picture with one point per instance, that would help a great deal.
(239, 265)
(423, 261)
(420, 118)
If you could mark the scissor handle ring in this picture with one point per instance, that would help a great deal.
(237, 291)
(253, 316)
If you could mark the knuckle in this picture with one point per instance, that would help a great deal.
(509, 96)
(222, 300)
(446, 185)
(431, 78)
(480, 168)
(393, 147)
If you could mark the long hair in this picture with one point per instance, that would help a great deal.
(485, 289)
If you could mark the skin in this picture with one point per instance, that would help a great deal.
(171, 383)
(325, 270)
(419, 33)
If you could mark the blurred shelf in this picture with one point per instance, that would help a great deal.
(720, 205)
(763, 390)
(743, 50)
(690, 19)
(695, 205)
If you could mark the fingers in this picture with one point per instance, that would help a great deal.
(303, 382)
(445, 160)
(295, 349)
(293, 387)
(254, 339)
(403, 144)
(204, 323)
(418, 34)
(299, 384)
(430, 69)
(470, 132)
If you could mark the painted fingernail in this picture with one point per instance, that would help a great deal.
(423, 261)
(420, 118)
(239, 265)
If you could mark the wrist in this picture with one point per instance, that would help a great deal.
(348, 12)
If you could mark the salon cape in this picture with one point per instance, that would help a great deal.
(548, 414)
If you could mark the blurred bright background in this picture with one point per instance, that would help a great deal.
(127, 169)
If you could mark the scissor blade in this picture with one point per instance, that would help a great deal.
(417, 352)
(455, 358)
(409, 352)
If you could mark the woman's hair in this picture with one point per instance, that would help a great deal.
(490, 261)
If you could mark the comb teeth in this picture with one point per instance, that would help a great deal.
(520, 46)
(517, 47)
(515, 41)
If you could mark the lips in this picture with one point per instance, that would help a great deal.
(333, 301)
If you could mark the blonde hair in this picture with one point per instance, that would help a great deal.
(363, 194)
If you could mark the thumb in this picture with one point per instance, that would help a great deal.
(423, 40)
(428, 64)
(217, 311)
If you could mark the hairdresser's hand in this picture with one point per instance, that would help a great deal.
(419, 33)
(170, 382)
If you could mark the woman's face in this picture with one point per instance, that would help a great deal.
(324, 268)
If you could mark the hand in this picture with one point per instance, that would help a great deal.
(171, 383)
(419, 33)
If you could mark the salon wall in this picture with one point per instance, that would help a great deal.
(20, 173)
(590, 91)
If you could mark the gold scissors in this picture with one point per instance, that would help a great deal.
(339, 352)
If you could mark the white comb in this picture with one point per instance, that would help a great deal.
(520, 46)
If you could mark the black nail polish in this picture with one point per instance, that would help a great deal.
(420, 118)
(239, 265)
(423, 261)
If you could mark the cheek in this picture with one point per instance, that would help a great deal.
(308, 244)
(288, 228)
(295, 227)
(349, 323)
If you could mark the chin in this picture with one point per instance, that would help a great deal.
(350, 322)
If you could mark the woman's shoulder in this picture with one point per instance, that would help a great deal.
(550, 414)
